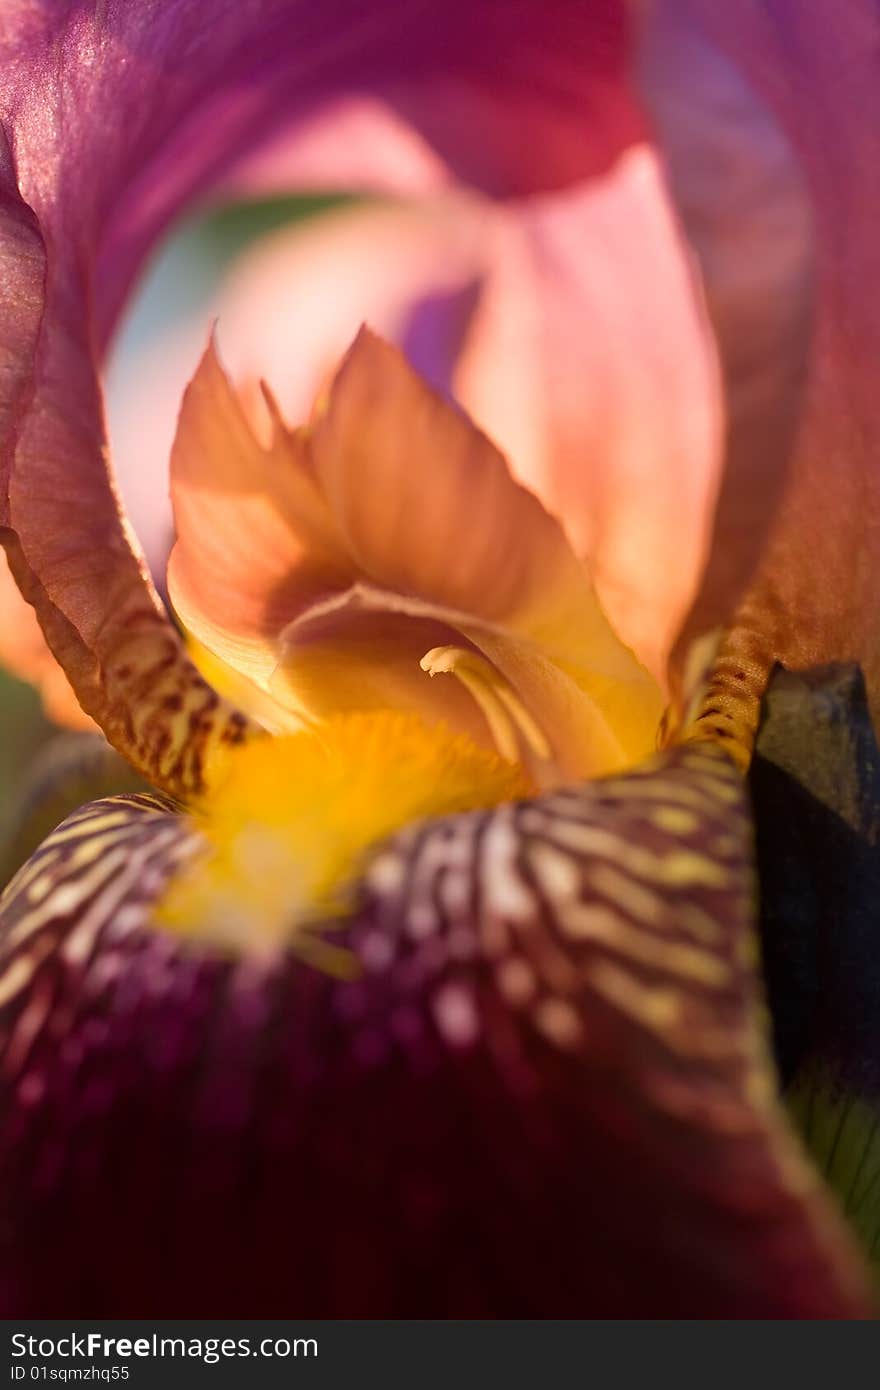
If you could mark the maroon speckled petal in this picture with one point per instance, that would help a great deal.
(549, 1093)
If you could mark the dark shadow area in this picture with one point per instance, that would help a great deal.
(815, 786)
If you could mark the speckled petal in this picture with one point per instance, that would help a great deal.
(548, 1093)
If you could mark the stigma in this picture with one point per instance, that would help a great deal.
(515, 734)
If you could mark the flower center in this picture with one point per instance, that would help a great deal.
(290, 820)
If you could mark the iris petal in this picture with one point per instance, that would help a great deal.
(84, 194)
(814, 597)
(549, 1092)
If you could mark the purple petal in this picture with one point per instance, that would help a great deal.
(548, 1094)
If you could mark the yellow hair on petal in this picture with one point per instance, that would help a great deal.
(289, 821)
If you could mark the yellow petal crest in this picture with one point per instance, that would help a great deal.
(290, 820)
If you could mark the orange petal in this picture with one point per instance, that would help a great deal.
(344, 553)
(288, 308)
(82, 199)
(255, 541)
(429, 509)
(24, 652)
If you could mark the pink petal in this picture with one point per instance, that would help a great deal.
(587, 361)
(343, 553)
(116, 114)
(740, 188)
(607, 400)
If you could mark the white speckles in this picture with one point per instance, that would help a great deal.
(386, 875)
(112, 891)
(456, 1016)
(558, 873)
(421, 920)
(129, 918)
(438, 852)
(15, 977)
(506, 893)
(37, 891)
(377, 952)
(455, 894)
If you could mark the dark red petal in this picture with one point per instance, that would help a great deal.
(814, 600)
(743, 195)
(549, 1093)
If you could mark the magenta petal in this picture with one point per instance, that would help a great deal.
(741, 188)
(118, 113)
(814, 599)
(548, 1095)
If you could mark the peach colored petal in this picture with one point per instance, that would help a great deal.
(324, 566)
(23, 651)
(255, 541)
(428, 508)
(115, 115)
(608, 398)
(599, 384)
(287, 309)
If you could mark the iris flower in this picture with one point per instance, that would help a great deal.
(422, 985)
